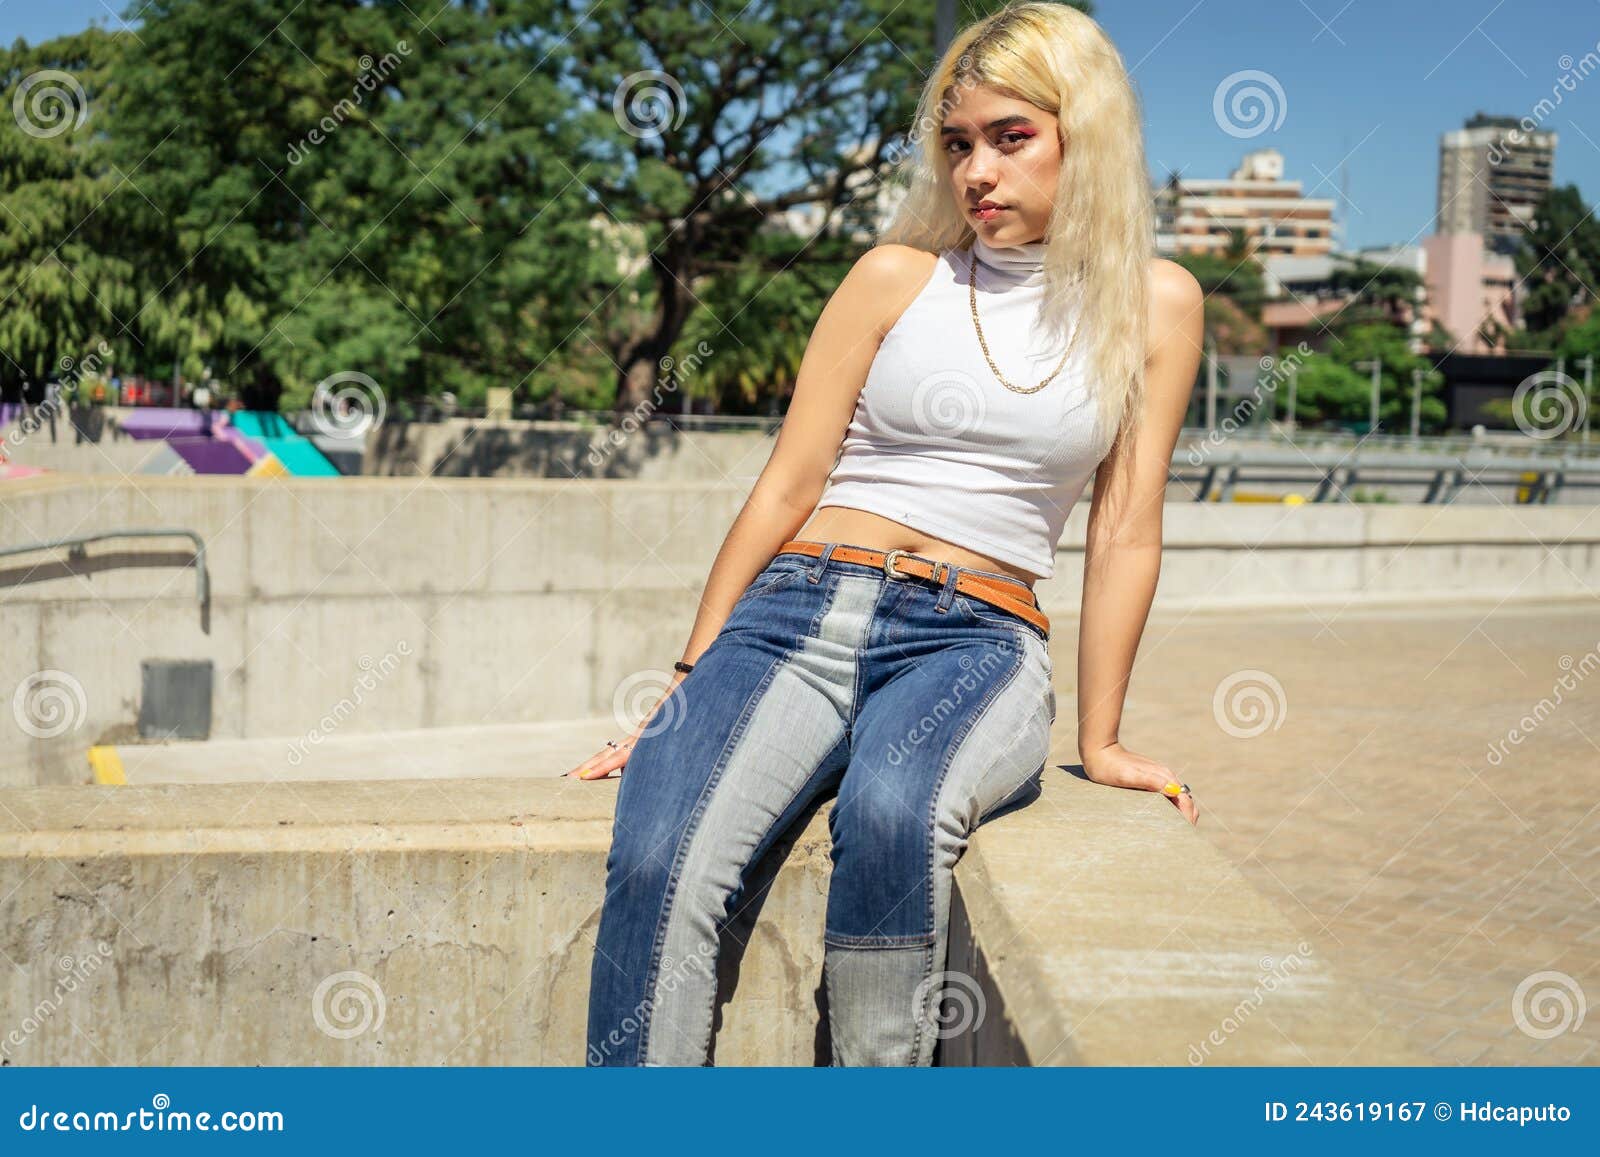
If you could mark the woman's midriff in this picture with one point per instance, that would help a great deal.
(863, 528)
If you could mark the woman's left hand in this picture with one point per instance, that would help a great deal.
(1116, 766)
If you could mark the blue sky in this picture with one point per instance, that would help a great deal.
(1369, 83)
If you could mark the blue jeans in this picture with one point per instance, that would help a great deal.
(926, 710)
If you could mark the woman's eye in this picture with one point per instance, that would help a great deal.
(1008, 139)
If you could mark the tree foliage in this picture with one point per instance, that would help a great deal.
(543, 194)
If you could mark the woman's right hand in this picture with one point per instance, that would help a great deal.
(1116, 766)
(608, 759)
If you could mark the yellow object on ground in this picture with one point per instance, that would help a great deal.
(106, 765)
(1254, 496)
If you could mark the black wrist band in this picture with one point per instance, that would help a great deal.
(680, 665)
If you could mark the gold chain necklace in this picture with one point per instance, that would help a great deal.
(972, 295)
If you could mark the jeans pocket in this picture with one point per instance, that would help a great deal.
(776, 577)
(979, 613)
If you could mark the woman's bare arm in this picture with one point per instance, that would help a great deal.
(833, 371)
(1122, 556)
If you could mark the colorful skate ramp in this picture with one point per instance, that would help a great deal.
(260, 444)
(293, 449)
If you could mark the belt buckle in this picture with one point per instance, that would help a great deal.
(890, 572)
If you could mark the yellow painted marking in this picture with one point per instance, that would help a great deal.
(107, 765)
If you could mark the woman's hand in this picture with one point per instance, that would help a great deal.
(608, 759)
(1116, 766)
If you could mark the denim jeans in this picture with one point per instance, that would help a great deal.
(926, 711)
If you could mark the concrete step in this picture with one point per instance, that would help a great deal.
(506, 750)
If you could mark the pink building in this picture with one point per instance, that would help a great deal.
(1468, 289)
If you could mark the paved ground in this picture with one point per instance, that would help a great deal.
(1369, 808)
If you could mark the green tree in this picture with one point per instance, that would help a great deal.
(1559, 258)
(533, 193)
(1346, 397)
(1378, 292)
(725, 115)
(62, 284)
(353, 191)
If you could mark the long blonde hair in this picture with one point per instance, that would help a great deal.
(1101, 235)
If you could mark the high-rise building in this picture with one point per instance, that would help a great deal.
(1197, 216)
(1492, 173)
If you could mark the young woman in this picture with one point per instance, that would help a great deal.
(1010, 336)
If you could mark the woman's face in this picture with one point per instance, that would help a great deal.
(1006, 153)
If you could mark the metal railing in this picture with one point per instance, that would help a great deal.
(76, 554)
(1536, 477)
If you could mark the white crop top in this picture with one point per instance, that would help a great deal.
(939, 444)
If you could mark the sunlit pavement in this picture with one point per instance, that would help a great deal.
(1419, 789)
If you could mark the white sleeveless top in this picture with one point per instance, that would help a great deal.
(939, 444)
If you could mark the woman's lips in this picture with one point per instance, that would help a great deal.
(989, 212)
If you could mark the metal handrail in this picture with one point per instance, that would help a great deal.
(1220, 472)
(78, 541)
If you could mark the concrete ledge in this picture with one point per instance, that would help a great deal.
(265, 923)
(506, 750)
(1112, 933)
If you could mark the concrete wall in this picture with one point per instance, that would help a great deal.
(450, 448)
(104, 457)
(453, 922)
(474, 448)
(402, 603)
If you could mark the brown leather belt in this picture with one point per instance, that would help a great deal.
(1005, 594)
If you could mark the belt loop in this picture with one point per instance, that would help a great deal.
(947, 592)
(821, 564)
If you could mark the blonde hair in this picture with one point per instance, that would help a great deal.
(1101, 234)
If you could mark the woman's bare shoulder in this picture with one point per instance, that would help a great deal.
(1174, 296)
(887, 278)
(891, 260)
(1175, 336)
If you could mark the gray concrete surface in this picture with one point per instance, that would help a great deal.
(509, 750)
(506, 601)
(1415, 787)
(452, 922)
